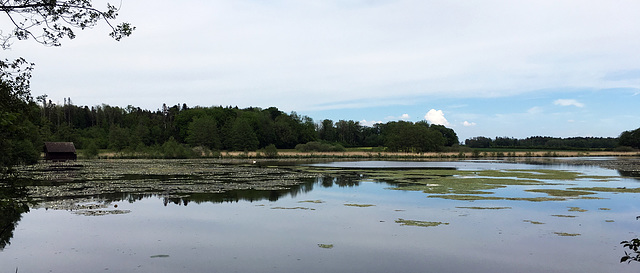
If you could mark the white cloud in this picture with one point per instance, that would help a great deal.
(364, 122)
(436, 117)
(401, 117)
(468, 124)
(568, 102)
(534, 110)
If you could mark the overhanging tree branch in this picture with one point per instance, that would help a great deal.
(57, 19)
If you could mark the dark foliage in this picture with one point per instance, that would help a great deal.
(540, 142)
(630, 138)
(633, 246)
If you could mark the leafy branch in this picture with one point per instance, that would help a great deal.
(635, 254)
(632, 245)
(57, 19)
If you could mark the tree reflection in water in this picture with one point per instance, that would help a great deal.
(14, 193)
(12, 206)
(255, 195)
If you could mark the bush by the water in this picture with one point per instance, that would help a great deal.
(315, 146)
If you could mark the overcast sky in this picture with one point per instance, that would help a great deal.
(484, 68)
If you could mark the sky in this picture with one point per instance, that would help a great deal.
(483, 68)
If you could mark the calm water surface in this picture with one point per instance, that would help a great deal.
(316, 229)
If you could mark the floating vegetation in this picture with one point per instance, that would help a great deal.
(608, 189)
(609, 221)
(312, 201)
(302, 208)
(604, 208)
(537, 174)
(557, 192)
(577, 209)
(359, 205)
(325, 246)
(159, 256)
(169, 178)
(464, 185)
(415, 223)
(101, 212)
(479, 197)
(533, 222)
(567, 234)
(481, 208)
(564, 216)
(591, 197)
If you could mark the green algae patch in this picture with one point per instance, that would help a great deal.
(608, 189)
(591, 198)
(565, 234)
(609, 221)
(478, 197)
(483, 208)
(312, 201)
(159, 256)
(359, 205)
(325, 246)
(464, 185)
(533, 222)
(415, 223)
(413, 176)
(466, 197)
(301, 208)
(537, 174)
(557, 192)
(564, 216)
(577, 209)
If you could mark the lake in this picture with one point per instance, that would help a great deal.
(354, 216)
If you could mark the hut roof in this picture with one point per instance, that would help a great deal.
(59, 147)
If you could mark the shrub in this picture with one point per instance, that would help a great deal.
(315, 146)
(270, 151)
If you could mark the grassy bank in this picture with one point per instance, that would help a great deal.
(363, 153)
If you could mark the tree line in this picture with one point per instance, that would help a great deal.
(224, 128)
(216, 128)
(546, 142)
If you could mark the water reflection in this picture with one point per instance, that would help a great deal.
(631, 174)
(235, 196)
(11, 210)
(14, 193)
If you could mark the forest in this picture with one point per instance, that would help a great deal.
(177, 131)
(546, 142)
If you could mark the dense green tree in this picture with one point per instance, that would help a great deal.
(479, 142)
(409, 137)
(118, 137)
(286, 137)
(20, 141)
(349, 133)
(243, 137)
(630, 138)
(203, 131)
(326, 131)
(450, 136)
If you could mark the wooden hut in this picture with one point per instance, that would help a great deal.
(60, 151)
